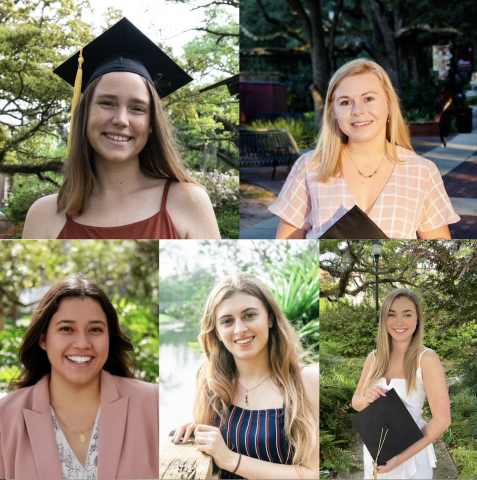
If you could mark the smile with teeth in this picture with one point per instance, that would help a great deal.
(400, 330)
(361, 124)
(244, 341)
(76, 359)
(117, 137)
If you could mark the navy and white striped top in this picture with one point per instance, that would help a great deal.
(257, 434)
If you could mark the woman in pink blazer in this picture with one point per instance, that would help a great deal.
(76, 411)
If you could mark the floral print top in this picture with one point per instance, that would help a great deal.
(71, 466)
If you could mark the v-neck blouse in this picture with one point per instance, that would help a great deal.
(413, 200)
(70, 465)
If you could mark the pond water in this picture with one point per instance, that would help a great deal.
(178, 365)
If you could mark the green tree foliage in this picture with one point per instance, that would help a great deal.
(34, 103)
(211, 117)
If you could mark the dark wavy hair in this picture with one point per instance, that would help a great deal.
(35, 360)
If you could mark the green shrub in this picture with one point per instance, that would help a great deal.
(351, 328)
(20, 201)
(339, 378)
(302, 130)
(418, 100)
(228, 219)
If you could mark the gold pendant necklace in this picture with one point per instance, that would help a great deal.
(82, 436)
(366, 176)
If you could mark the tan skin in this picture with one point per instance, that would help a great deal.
(358, 99)
(121, 106)
(78, 328)
(401, 324)
(240, 318)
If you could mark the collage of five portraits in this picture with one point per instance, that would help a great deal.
(238, 239)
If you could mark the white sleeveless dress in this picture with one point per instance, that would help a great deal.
(420, 465)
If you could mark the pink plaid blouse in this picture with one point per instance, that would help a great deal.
(413, 200)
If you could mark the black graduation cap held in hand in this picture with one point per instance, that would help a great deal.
(122, 48)
(386, 427)
(354, 224)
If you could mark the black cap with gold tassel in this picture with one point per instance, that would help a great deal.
(76, 97)
(122, 48)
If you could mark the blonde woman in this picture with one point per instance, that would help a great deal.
(364, 157)
(414, 371)
(256, 409)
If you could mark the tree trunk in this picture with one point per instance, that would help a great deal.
(310, 18)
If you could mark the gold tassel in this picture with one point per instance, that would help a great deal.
(76, 97)
(380, 447)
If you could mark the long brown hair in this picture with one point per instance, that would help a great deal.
(385, 343)
(34, 358)
(215, 379)
(158, 159)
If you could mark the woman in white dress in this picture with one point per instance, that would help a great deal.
(403, 363)
(364, 157)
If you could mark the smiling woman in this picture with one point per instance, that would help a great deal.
(256, 408)
(414, 371)
(77, 411)
(364, 159)
(124, 177)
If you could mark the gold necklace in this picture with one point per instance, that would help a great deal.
(250, 389)
(82, 435)
(366, 176)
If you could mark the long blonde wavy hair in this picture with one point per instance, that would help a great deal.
(385, 345)
(215, 379)
(326, 159)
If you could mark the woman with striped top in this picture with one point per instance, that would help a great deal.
(256, 409)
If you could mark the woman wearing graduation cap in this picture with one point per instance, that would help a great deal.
(363, 159)
(123, 178)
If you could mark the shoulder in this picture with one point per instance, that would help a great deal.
(411, 159)
(310, 376)
(137, 389)
(303, 162)
(192, 212)
(429, 359)
(188, 195)
(43, 221)
(13, 403)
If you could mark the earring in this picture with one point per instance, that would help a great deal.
(388, 118)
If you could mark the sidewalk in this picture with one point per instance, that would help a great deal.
(457, 164)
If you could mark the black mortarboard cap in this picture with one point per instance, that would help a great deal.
(124, 48)
(387, 413)
(354, 224)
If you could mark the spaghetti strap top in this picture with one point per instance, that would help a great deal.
(159, 226)
(257, 434)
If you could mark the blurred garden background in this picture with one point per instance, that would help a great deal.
(38, 35)
(444, 275)
(188, 272)
(126, 270)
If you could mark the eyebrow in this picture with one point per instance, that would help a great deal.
(74, 321)
(404, 311)
(115, 97)
(365, 93)
(243, 311)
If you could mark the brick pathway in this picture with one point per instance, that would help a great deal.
(462, 181)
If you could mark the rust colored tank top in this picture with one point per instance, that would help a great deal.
(159, 226)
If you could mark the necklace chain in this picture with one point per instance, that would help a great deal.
(81, 434)
(250, 389)
(367, 176)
